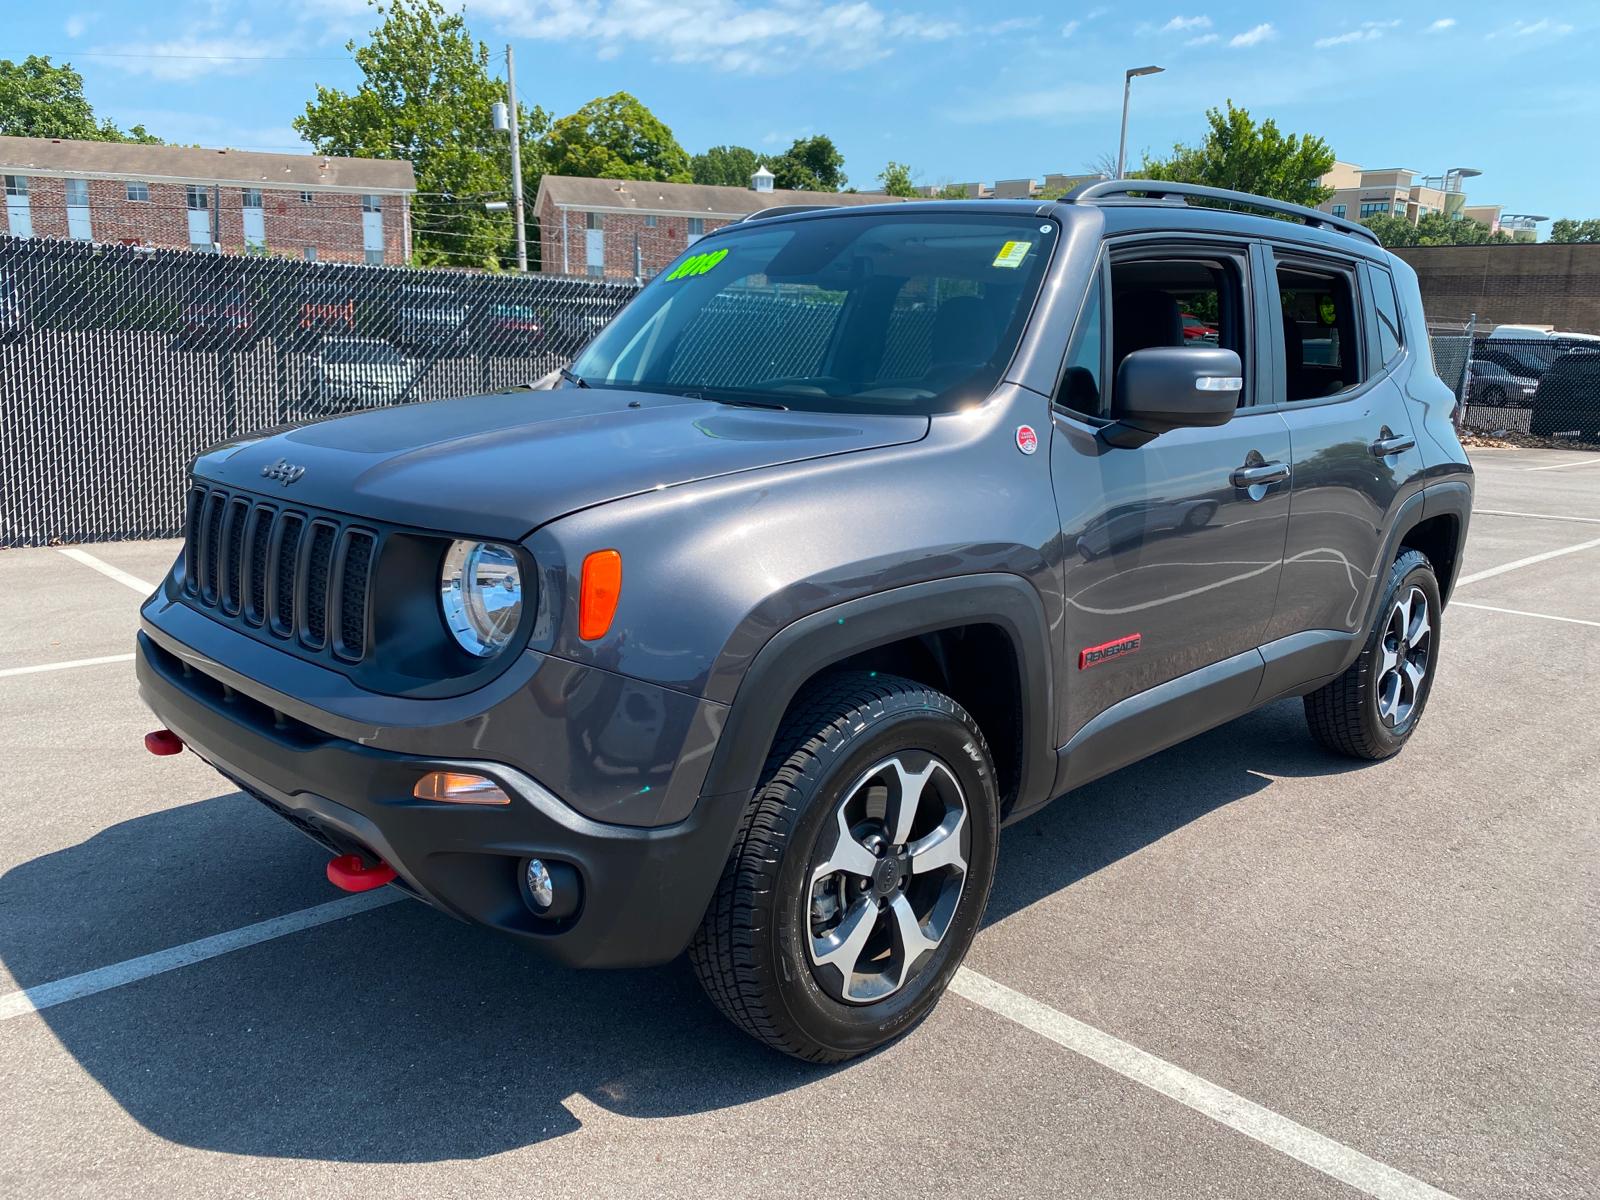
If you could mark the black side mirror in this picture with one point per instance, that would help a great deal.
(1172, 387)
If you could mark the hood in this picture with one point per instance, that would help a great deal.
(500, 465)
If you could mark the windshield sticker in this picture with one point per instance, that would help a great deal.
(698, 264)
(1012, 254)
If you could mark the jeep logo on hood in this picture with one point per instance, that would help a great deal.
(284, 471)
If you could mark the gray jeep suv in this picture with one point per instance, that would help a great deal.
(856, 536)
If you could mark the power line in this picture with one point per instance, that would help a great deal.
(64, 55)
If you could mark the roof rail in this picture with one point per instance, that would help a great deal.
(1115, 190)
(784, 210)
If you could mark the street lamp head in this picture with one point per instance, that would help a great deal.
(1132, 71)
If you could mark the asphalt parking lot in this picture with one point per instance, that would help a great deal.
(1238, 969)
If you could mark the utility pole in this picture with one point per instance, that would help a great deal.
(516, 164)
(1127, 88)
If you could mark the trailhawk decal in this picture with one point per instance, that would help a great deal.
(1105, 651)
(1027, 439)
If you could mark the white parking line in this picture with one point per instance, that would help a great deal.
(106, 569)
(62, 666)
(1525, 562)
(1500, 512)
(75, 987)
(1517, 612)
(1227, 1108)
(1576, 462)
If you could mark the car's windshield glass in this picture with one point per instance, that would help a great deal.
(883, 312)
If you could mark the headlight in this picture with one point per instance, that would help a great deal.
(480, 594)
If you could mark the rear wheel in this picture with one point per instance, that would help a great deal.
(1373, 708)
(860, 873)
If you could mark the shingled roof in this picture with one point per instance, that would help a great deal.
(192, 164)
(691, 199)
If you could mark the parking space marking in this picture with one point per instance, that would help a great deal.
(1316, 1150)
(1500, 512)
(1491, 572)
(1517, 612)
(106, 569)
(6, 672)
(1577, 462)
(75, 987)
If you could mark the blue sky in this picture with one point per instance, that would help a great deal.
(960, 90)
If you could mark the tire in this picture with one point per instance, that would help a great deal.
(1372, 710)
(775, 948)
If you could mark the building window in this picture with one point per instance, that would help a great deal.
(19, 217)
(252, 197)
(593, 221)
(374, 258)
(372, 204)
(1338, 210)
(595, 269)
(1373, 208)
(305, 197)
(138, 190)
(77, 193)
(198, 197)
(650, 222)
(697, 226)
(17, 185)
(311, 254)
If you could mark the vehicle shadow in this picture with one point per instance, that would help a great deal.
(401, 1036)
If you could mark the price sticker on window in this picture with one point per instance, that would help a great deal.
(1012, 254)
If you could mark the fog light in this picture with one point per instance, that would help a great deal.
(541, 888)
(456, 787)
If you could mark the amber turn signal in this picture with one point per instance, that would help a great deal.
(456, 787)
(598, 593)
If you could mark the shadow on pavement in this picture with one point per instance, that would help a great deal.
(403, 1036)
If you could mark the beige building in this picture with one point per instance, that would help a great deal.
(1362, 192)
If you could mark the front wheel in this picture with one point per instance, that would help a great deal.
(860, 873)
(1373, 708)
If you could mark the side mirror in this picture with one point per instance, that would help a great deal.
(1172, 387)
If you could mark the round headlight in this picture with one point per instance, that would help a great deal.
(480, 594)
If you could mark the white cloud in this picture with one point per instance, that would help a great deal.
(1012, 24)
(1345, 39)
(1205, 39)
(75, 25)
(193, 55)
(1185, 24)
(1543, 25)
(1442, 24)
(1263, 32)
(1070, 28)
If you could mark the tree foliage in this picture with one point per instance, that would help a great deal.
(615, 137)
(811, 164)
(896, 180)
(40, 100)
(725, 166)
(1242, 156)
(427, 95)
(1435, 229)
(1568, 230)
(953, 191)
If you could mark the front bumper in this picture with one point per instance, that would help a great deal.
(644, 889)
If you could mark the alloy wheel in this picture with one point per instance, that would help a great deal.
(1407, 649)
(887, 877)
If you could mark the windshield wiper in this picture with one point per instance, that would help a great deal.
(573, 377)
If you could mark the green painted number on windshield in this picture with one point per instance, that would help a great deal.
(697, 264)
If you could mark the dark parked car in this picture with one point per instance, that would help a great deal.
(223, 321)
(430, 320)
(1567, 404)
(1491, 384)
(747, 641)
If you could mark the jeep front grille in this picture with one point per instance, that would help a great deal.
(302, 576)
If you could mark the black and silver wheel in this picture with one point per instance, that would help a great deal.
(1372, 709)
(860, 874)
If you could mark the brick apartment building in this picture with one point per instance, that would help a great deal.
(180, 197)
(591, 226)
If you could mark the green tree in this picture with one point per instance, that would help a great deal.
(896, 180)
(615, 137)
(953, 191)
(426, 95)
(811, 164)
(1242, 156)
(725, 166)
(40, 100)
(1435, 229)
(1568, 230)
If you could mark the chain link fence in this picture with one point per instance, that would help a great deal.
(1542, 390)
(118, 364)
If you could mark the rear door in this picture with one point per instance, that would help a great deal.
(1172, 549)
(1353, 442)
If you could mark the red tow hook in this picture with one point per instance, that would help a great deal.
(163, 742)
(348, 872)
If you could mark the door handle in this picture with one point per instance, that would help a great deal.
(1386, 446)
(1272, 472)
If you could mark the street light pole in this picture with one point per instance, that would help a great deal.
(1127, 89)
(516, 164)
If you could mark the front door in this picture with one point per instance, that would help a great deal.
(1173, 550)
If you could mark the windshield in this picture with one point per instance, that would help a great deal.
(883, 312)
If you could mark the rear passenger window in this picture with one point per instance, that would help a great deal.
(1321, 349)
(1389, 335)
